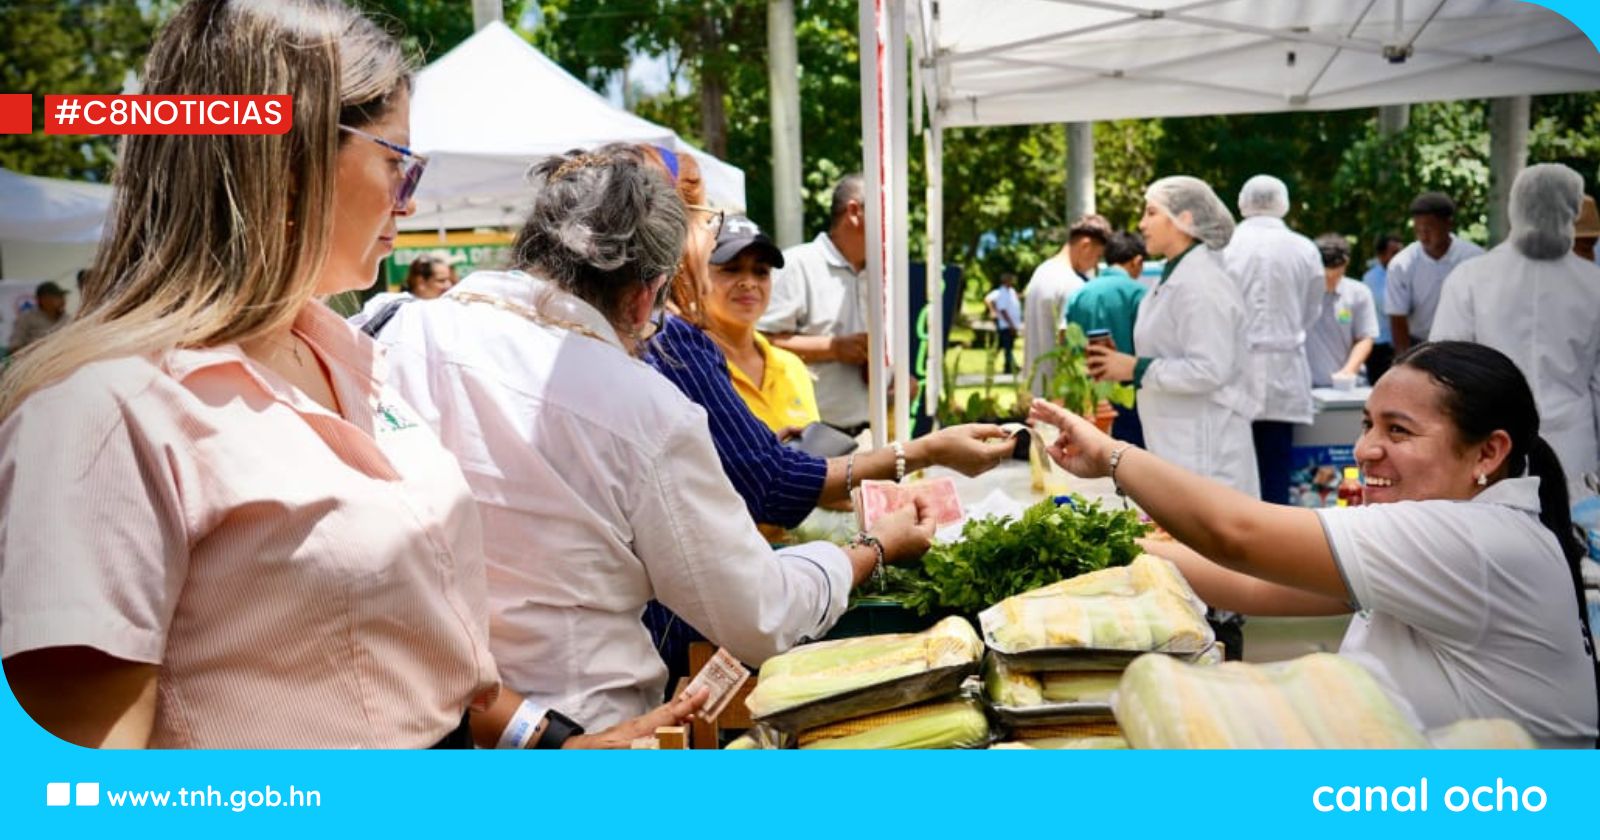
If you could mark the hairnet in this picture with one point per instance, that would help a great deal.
(1545, 200)
(1264, 195)
(1194, 208)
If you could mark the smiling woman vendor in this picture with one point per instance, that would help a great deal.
(1461, 566)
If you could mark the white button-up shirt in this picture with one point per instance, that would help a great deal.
(818, 292)
(600, 490)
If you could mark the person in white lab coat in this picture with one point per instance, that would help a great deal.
(1194, 399)
(1535, 301)
(1279, 273)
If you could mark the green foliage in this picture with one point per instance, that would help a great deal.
(427, 28)
(1446, 148)
(1070, 381)
(998, 557)
(70, 46)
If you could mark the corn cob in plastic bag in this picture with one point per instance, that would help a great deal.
(1482, 734)
(942, 724)
(1317, 701)
(1087, 742)
(1007, 687)
(1144, 606)
(826, 669)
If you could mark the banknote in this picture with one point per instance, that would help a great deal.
(724, 675)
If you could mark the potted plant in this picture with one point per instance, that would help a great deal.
(1070, 385)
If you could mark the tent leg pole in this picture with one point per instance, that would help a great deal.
(1080, 170)
(1508, 154)
(874, 120)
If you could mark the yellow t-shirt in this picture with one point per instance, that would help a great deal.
(786, 396)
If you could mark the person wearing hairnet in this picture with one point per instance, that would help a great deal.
(1279, 273)
(1534, 300)
(1194, 399)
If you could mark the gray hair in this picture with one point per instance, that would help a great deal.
(602, 222)
(850, 188)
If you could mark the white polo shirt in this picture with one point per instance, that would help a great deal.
(818, 292)
(1416, 280)
(1467, 611)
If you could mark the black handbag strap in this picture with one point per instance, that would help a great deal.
(381, 319)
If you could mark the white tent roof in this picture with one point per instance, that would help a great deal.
(51, 210)
(492, 106)
(1003, 62)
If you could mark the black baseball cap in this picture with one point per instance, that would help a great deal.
(740, 234)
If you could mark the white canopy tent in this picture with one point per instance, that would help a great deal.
(492, 106)
(49, 227)
(51, 210)
(995, 62)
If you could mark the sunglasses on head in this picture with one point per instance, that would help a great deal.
(411, 166)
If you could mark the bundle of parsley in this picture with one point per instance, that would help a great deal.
(998, 557)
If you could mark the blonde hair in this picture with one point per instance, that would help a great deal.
(218, 239)
(688, 287)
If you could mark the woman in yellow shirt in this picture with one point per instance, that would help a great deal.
(773, 382)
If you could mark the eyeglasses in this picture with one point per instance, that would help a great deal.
(411, 167)
(714, 218)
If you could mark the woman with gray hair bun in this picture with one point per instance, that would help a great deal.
(1194, 399)
(598, 481)
(1535, 301)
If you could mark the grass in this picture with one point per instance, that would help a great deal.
(978, 361)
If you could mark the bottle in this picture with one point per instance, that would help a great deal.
(1350, 490)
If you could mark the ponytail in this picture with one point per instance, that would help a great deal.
(1555, 507)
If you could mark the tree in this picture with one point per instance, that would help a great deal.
(429, 28)
(75, 46)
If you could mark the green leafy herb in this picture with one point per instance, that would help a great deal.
(998, 557)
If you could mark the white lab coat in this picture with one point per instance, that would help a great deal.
(1543, 314)
(1195, 401)
(1279, 273)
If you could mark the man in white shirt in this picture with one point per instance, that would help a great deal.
(1417, 274)
(1006, 311)
(818, 309)
(1051, 286)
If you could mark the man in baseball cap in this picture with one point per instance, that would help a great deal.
(47, 314)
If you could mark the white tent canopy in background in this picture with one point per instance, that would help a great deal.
(49, 227)
(51, 210)
(492, 106)
(999, 62)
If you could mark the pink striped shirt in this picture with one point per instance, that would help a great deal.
(302, 579)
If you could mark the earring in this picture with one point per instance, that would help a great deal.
(1483, 480)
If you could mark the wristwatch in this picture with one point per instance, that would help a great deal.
(557, 729)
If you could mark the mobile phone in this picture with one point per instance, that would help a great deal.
(1101, 338)
(823, 441)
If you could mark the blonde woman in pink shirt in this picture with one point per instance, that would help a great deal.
(218, 527)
